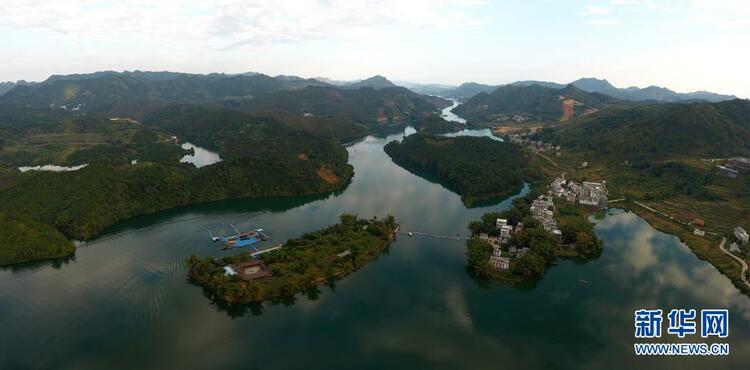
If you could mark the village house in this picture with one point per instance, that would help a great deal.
(500, 263)
(505, 234)
(741, 235)
(699, 232)
(741, 164)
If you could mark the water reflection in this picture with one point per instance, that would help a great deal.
(200, 157)
(124, 301)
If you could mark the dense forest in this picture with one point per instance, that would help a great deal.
(388, 106)
(659, 131)
(304, 263)
(84, 140)
(260, 157)
(477, 168)
(535, 102)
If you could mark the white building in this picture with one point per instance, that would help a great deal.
(699, 232)
(501, 222)
(741, 235)
(505, 233)
(496, 251)
(500, 263)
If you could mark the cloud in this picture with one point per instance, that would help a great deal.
(593, 10)
(602, 22)
(225, 23)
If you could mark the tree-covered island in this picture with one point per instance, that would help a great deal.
(299, 265)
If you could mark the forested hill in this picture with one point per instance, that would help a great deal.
(388, 106)
(260, 157)
(532, 102)
(376, 82)
(134, 94)
(477, 168)
(659, 131)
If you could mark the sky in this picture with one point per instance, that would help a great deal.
(686, 45)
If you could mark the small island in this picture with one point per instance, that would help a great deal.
(518, 245)
(476, 168)
(300, 264)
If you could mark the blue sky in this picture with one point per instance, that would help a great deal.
(686, 45)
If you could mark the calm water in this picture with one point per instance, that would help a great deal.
(200, 157)
(123, 301)
(448, 114)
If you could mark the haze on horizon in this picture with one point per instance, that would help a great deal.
(685, 45)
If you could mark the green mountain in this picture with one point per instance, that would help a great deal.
(660, 131)
(531, 102)
(260, 156)
(133, 94)
(389, 106)
(376, 82)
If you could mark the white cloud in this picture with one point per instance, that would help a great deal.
(224, 23)
(602, 22)
(593, 10)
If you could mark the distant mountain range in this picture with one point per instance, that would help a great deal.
(532, 102)
(134, 93)
(462, 92)
(373, 102)
(651, 93)
(654, 93)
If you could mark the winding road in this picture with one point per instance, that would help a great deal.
(740, 260)
(721, 245)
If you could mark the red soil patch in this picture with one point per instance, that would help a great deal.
(568, 106)
(327, 175)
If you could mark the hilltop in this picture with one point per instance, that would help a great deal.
(659, 131)
(532, 103)
(653, 93)
(376, 82)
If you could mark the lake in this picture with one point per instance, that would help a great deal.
(200, 157)
(123, 302)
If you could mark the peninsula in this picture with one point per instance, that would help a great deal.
(476, 168)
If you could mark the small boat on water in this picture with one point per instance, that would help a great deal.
(411, 234)
(583, 281)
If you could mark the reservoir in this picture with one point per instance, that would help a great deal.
(200, 157)
(123, 301)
